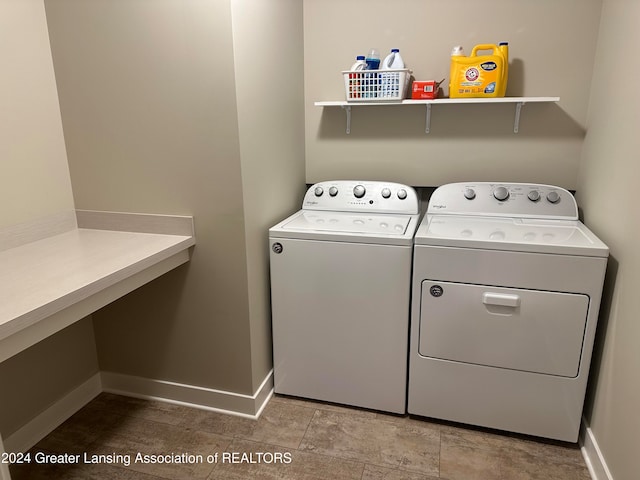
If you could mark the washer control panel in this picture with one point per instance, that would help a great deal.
(527, 200)
(362, 196)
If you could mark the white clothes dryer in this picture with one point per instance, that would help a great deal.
(506, 293)
(340, 294)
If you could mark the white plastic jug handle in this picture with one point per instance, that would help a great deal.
(501, 299)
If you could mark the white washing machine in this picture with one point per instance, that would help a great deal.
(506, 291)
(340, 294)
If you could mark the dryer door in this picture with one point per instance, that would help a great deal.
(527, 330)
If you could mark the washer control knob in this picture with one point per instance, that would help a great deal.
(386, 193)
(501, 193)
(318, 191)
(553, 197)
(333, 191)
(359, 191)
(402, 194)
(469, 194)
(534, 195)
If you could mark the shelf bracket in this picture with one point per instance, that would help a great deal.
(427, 122)
(516, 121)
(347, 108)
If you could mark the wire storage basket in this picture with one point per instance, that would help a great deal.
(376, 85)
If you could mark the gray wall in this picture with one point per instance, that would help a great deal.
(156, 119)
(268, 53)
(552, 48)
(34, 184)
(34, 176)
(607, 184)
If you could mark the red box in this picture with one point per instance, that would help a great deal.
(427, 89)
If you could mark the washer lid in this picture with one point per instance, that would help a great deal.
(347, 227)
(569, 237)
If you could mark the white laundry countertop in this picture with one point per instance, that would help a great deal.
(47, 284)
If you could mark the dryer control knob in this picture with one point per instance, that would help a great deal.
(534, 195)
(501, 193)
(402, 194)
(553, 197)
(333, 191)
(469, 194)
(386, 193)
(359, 191)
(318, 191)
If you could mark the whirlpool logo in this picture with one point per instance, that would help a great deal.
(439, 206)
(436, 291)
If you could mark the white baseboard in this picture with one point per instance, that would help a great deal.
(250, 406)
(592, 455)
(189, 395)
(4, 467)
(46, 422)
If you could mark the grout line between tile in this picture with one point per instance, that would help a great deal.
(315, 412)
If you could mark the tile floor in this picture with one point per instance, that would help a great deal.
(293, 439)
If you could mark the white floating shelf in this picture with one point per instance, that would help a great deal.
(518, 101)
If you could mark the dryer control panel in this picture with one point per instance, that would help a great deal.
(525, 200)
(362, 196)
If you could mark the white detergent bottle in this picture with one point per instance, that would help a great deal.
(359, 65)
(355, 79)
(390, 82)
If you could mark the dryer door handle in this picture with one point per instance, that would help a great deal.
(502, 299)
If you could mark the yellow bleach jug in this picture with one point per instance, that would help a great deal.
(479, 76)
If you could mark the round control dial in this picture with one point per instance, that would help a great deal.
(501, 194)
(553, 197)
(402, 194)
(318, 191)
(333, 191)
(534, 195)
(386, 192)
(359, 191)
(469, 194)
